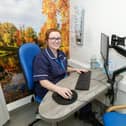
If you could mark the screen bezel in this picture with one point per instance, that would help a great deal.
(107, 50)
(105, 59)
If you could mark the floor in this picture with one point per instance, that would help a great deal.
(26, 114)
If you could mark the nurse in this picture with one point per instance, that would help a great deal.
(50, 66)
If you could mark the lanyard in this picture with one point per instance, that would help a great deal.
(60, 62)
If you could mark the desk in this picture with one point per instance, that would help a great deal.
(52, 112)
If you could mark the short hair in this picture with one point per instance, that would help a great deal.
(49, 31)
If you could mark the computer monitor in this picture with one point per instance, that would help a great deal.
(104, 50)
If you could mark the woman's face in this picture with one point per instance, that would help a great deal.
(54, 40)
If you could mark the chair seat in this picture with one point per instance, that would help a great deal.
(114, 119)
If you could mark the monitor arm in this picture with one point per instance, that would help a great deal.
(116, 40)
(120, 50)
(110, 92)
(116, 72)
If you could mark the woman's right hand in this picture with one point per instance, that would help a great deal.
(64, 92)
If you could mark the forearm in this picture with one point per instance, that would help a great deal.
(70, 69)
(49, 85)
(64, 92)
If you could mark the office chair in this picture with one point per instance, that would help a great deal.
(113, 118)
(27, 52)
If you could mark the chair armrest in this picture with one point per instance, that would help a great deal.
(116, 107)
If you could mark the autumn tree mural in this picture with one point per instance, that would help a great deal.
(12, 37)
(11, 77)
(7, 31)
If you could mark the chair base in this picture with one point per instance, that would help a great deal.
(95, 122)
(35, 121)
(38, 118)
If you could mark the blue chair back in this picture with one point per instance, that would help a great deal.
(27, 52)
(114, 119)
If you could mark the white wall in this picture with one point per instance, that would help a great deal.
(107, 16)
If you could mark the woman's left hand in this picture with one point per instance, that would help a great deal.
(80, 70)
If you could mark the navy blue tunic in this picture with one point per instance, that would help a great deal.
(47, 67)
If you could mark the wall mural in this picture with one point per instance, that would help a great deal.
(27, 21)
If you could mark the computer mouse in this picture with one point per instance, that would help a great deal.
(70, 97)
(60, 100)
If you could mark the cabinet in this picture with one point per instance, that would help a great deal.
(4, 115)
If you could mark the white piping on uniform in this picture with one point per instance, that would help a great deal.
(53, 57)
(64, 58)
(40, 75)
(49, 54)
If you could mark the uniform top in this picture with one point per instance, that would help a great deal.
(47, 67)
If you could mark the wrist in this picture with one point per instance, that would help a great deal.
(74, 70)
(71, 69)
(56, 89)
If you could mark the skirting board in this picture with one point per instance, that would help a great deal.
(18, 103)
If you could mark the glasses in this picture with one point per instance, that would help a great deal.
(55, 39)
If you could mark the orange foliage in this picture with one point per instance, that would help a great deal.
(18, 35)
(50, 9)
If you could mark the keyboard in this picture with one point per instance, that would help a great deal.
(83, 82)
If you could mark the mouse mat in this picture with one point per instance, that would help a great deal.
(60, 100)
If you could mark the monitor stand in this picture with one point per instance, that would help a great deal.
(110, 92)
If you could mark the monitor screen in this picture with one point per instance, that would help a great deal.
(104, 50)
